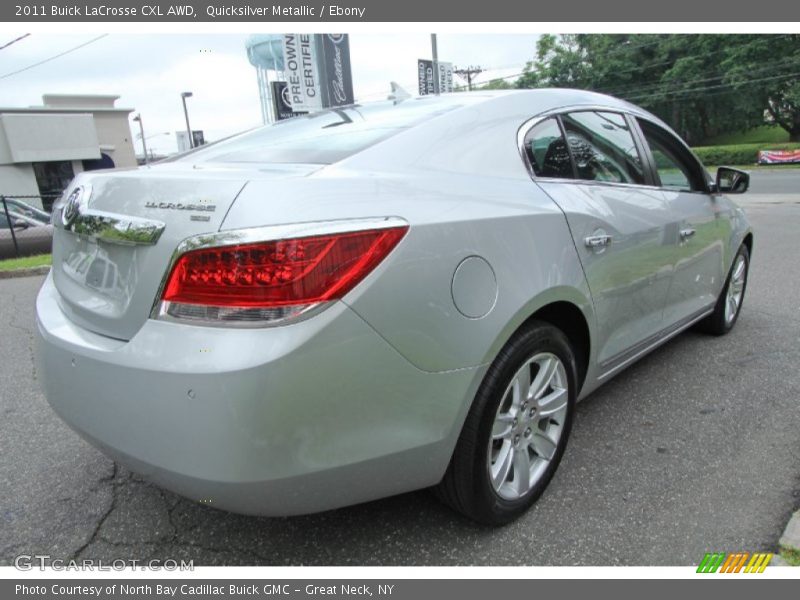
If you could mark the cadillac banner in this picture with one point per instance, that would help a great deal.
(776, 157)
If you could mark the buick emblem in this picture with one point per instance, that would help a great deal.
(72, 207)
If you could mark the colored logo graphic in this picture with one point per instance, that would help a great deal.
(736, 562)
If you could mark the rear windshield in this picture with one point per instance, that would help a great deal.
(324, 137)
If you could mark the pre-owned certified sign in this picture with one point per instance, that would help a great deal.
(281, 101)
(302, 73)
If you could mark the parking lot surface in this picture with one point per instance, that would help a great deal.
(695, 448)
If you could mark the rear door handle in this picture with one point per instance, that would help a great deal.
(597, 241)
(687, 233)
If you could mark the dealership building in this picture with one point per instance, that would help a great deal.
(43, 147)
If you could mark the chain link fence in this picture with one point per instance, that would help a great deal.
(25, 229)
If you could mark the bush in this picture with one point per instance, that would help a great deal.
(737, 154)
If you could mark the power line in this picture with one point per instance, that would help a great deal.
(656, 86)
(59, 55)
(14, 41)
(719, 86)
(635, 88)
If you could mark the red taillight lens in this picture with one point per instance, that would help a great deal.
(266, 280)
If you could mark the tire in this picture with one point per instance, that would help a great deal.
(485, 479)
(724, 317)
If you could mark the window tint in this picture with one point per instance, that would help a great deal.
(673, 167)
(603, 148)
(547, 151)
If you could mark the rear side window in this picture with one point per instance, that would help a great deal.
(546, 150)
(603, 147)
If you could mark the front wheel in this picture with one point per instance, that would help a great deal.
(729, 303)
(516, 430)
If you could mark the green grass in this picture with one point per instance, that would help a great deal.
(711, 168)
(26, 262)
(791, 556)
(766, 134)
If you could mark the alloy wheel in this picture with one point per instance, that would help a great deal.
(528, 425)
(735, 290)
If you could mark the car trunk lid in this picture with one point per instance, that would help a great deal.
(109, 263)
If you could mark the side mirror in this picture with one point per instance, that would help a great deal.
(732, 181)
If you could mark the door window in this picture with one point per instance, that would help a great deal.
(674, 165)
(603, 147)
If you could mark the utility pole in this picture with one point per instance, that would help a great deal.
(468, 73)
(435, 65)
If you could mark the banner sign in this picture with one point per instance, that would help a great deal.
(776, 157)
(425, 77)
(301, 71)
(280, 101)
(182, 139)
(336, 72)
(445, 77)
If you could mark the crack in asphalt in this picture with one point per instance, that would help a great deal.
(158, 546)
(112, 505)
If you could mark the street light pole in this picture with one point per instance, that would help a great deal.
(138, 118)
(184, 96)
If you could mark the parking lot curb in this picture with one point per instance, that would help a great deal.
(791, 535)
(43, 270)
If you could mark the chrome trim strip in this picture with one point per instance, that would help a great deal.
(306, 312)
(116, 229)
(266, 233)
(663, 336)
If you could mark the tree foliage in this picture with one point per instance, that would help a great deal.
(702, 85)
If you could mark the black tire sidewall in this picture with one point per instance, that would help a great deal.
(533, 340)
(722, 325)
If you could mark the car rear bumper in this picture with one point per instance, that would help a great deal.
(277, 421)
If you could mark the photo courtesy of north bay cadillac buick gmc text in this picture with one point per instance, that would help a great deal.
(382, 297)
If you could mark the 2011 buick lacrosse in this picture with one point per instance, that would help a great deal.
(381, 298)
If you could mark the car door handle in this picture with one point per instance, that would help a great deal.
(687, 233)
(597, 241)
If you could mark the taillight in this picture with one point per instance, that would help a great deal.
(263, 282)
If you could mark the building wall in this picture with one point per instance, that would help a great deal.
(18, 180)
(41, 137)
(113, 131)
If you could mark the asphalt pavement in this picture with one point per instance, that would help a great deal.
(695, 448)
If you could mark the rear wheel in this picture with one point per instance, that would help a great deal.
(729, 303)
(516, 430)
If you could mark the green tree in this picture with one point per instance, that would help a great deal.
(767, 68)
(700, 84)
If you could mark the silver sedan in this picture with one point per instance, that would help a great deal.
(381, 298)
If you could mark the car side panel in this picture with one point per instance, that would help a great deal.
(520, 232)
(408, 299)
(700, 267)
(630, 277)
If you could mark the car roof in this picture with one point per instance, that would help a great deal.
(479, 134)
(543, 98)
